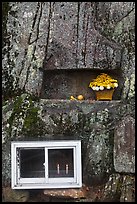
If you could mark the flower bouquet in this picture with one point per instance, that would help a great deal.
(104, 86)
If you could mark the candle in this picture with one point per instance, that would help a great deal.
(57, 168)
(66, 168)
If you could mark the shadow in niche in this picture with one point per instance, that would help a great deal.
(61, 83)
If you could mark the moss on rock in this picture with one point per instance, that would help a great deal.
(24, 118)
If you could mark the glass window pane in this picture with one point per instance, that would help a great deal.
(60, 163)
(31, 163)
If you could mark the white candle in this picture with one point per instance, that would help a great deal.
(57, 168)
(66, 168)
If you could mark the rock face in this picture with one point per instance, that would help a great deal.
(10, 195)
(124, 145)
(67, 193)
(63, 35)
(119, 188)
(44, 39)
(92, 123)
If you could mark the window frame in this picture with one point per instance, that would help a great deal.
(46, 182)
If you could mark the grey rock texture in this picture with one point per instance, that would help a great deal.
(91, 122)
(128, 192)
(124, 145)
(67, 35)
(10, 195)
(42, 38)
(119, 188)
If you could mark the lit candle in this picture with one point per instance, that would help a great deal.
(66, 168)
(57, 168)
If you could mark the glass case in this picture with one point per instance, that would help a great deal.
(46, 164)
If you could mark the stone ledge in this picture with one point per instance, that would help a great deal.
(67, 193)
(76, 101)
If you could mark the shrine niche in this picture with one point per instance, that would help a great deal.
(62, 84)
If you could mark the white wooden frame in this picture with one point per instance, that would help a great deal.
(46, 182)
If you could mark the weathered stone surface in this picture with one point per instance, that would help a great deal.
(62, 41)
(94, 194)
(67, 35)
(68, 49)
(119, 188)
(112, 189)
(124, 145)
(128, 189)
(10, 195)
(63, 35)
(67, 193)
(91, 122)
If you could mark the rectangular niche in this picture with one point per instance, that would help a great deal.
(61, 84)
(46, 164)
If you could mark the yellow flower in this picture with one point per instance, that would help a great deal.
(103, 80)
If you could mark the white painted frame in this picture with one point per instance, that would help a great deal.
(43, 183)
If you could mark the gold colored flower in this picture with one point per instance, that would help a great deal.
(103, 80)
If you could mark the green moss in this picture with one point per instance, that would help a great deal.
(24, 116)
(15, 113)
(31, 117)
